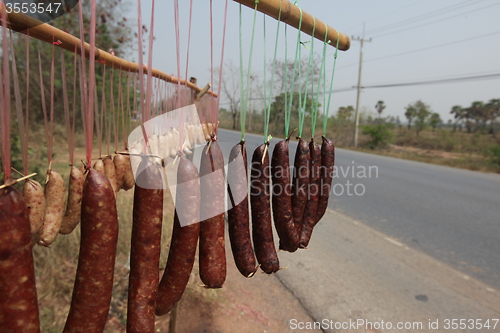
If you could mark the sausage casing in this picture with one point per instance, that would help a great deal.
(238, 216)
(96, 261)
(300, 183)
(309, 219)
(128, 175)
(184, 241)
(110, 172)
(260, 200)
(282, 198)
(54, 209)
(19, 304)
(145, 249)
(34, 198)
(73, 211)
(326, 174)
(212, 188)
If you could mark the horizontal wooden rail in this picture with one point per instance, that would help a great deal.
(290, 14)
(47, 33)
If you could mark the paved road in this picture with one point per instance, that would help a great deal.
(451, 215)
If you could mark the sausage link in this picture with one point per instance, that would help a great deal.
(309, 219)
(35, 201)
(73, 212)
(128, 176)
(282, 198)
(326, 173)
(212, 188)
(54, 209)
(96, 261)
(99, 166)
(300, 183)
(182, 251)
(238, 218)
(119, 162)
(260, 198)
(18, 305)
(145, 249)
(110, 172)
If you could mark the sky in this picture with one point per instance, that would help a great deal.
(411, 41)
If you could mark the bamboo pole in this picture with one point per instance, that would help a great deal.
(49, 34)
(290, 14)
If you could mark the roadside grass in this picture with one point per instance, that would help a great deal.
(472, 151)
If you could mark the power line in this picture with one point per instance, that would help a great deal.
(436, 21)
(460, 41)
(427, 82)
(425, 16)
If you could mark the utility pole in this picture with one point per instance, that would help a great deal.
(356, 126)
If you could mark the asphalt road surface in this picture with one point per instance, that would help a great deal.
(405, 246)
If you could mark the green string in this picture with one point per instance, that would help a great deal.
(246, 93)
(303, 105)
(285, 86)
(322, 72)
(267, 114)
(327, 111)
(288, 109)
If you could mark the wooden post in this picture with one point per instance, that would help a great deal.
(290, 14)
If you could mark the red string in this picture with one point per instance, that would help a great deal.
(27, 114)
(189, 39)
(5, 123)
(44, 105)
(69, 133)
(149, 88)
(19, 107)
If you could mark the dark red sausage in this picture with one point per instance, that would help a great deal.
(212, 189)
(96, 261)
(238, 218)
(184, 239)
(309, 219)
(18, 298)
(145, 249)
(326, 174)
(300, 183)
(282, 198)
(260, 199)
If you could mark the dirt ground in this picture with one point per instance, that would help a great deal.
(257, 304)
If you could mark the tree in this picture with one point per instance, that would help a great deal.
(420, 112)
(423, 112)
(231, 90)
(458, 113)
(434, 120)
(380, 107)
(345, 113)
(281, 103)
(410, 114)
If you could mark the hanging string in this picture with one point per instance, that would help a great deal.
(149, 85)
(90, 111)
(23, 130)
(314, 112)
(69, 133)
(267, 114)
(48, 139)
(189, 40)
(99, 125)
(27, 109)
(327, 108)
(245, 93)
(288, 108)
(219, 88)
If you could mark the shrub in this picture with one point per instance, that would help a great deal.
(381, 135)
(494, 155)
